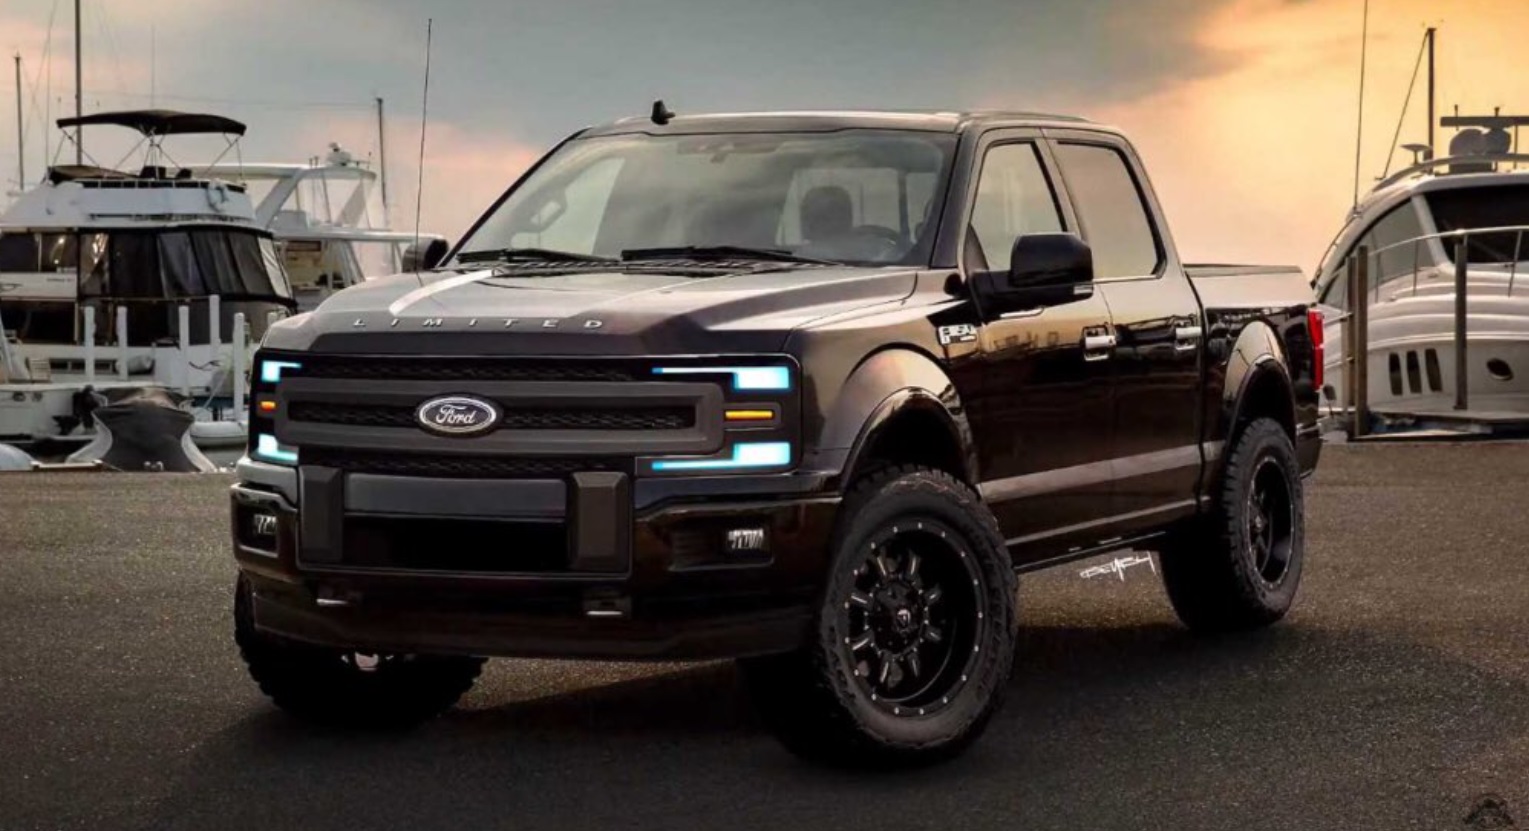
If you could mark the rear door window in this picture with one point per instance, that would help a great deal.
(1112, 211)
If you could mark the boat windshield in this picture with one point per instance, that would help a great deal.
(327, 197)
(148, 272)
(865, 197)
(1466, 209)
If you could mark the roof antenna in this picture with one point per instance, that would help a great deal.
(424, 115)
(661, 114)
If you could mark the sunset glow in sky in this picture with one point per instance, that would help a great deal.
(1245, 110)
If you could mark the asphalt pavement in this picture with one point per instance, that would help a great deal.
(1396, 695)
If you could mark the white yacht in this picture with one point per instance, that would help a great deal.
(1473, 202)
(330, 223)
(112, 281)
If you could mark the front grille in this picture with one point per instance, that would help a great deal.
(463, 369)
(529, 418)
(455, 467)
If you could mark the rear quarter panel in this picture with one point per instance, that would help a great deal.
(1255, 323)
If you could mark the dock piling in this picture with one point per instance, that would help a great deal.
(90, 344)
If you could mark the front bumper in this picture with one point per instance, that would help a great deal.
(639, 569)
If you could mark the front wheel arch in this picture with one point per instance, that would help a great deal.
(912, 427)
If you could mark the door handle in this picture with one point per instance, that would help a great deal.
(1186, 338)
(1095, 343)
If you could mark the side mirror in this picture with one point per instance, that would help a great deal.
(1044, 270)
(423, 255)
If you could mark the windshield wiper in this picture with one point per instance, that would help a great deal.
(545, 255)
(719, 252)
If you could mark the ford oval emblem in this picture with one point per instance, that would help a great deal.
(457, 415)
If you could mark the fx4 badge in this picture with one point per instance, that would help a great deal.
(959, 333)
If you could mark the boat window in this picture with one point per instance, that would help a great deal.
(273, 265)
(19, 253)
(1336, 293)
(134, 267)
(1111, 210)
(1396, 246)
(181, 275)
(58, 252)
(220, 274)
(1465, 209)
(34, 253)
(251, 265)
(343, 197)
(202, 262)
(1397, 240)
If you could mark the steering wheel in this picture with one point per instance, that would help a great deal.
(888, 245)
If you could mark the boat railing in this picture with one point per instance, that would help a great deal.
(238, 343)
(1364, 262)
(1424, 256)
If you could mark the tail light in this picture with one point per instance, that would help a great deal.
(1318, 348)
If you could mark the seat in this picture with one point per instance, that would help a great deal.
(828, 213)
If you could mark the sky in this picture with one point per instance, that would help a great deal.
(1245, 111)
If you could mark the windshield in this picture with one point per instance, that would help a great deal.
(866, 197)
(1498, 207)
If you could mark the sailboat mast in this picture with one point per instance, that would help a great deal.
(1432, 36)
(79, 94)
(21, 139)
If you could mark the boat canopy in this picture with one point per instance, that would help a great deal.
(159, 122)
(58, 174)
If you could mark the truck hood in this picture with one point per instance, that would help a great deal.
(491, 311)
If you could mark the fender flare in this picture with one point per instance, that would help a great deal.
(1257, 353)
(887, 384)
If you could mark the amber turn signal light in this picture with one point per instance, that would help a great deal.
(749, 415)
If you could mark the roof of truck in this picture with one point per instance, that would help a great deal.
(828, 120)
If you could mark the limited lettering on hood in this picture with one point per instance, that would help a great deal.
(488, 322)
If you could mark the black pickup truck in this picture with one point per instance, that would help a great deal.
(802, 389)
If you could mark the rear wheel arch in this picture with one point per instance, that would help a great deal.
(1257, 383)
(1267, 392)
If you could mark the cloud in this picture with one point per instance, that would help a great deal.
(1257, 162)
(1244, 109)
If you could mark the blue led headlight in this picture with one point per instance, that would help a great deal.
(270, 371)
(746, 455)
(746, 378)
(267, 448)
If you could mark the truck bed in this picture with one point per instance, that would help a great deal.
(1206, 270)
(1255, 286)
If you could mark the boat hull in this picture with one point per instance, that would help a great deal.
(1411, 354)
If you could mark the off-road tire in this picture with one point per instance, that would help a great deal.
(813, 699)
(328, 686)
(1216, 576)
